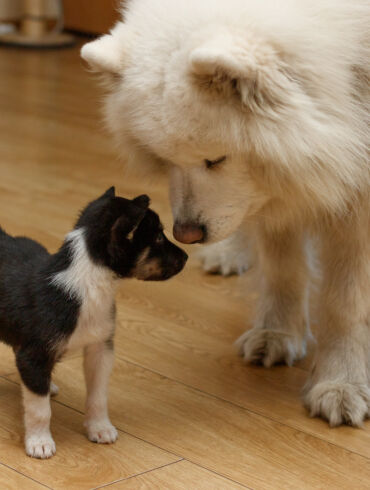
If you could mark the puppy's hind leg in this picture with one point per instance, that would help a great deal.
(35, 369)
(98, 362)
(37, 412)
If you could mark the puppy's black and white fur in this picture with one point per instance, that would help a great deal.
(50, 304)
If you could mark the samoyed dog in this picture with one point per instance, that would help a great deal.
(259, 112)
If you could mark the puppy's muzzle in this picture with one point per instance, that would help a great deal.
(176, 264)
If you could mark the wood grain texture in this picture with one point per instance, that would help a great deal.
(178, 389)
(201, 354)
(12, 480)
(7, 360)
(79, 463)
(215, 434)
(178, 476)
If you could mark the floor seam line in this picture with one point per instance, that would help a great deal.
(216, 397)
(218, 474)
(180, 458)
(206, 394)
(138, 474)
(26, 476)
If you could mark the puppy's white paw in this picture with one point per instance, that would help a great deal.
(54, 390)
(101, 431)
(40, 446)
(268, 347)
(224, 258)
(339, 403)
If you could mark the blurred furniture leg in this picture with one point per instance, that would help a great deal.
(34, 32)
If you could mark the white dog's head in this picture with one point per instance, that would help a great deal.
(232, 104)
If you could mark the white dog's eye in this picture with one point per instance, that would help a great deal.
(214, 163)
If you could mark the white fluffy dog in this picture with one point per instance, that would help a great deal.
(259, 111)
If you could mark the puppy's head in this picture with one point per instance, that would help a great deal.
(126, 236)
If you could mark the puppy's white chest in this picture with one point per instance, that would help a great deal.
(95, 324)
(94, 286)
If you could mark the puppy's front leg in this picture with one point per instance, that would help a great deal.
(98, 362)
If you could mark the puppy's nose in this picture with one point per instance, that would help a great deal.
(188, 232)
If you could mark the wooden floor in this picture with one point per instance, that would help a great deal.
(190, 414)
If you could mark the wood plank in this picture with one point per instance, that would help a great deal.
(78, 463)
(185, 329)
(7, 360)
(178, 476)
(12, 480)
(215, 434)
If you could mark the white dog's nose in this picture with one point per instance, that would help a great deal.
(188, 233)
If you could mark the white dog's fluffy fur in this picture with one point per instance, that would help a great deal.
(281, 89)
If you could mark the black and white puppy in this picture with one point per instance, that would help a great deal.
(50, 304)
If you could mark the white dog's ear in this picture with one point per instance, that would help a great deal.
(246, 66)
(216, 54)
(105, 54)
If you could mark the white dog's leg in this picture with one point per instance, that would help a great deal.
(230, 256)
(98, 362)
(339, 387)
(281, 326)
(38, 440)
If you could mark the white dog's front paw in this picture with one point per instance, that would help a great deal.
(101, 431)
(268, 347)
(40, 446)
(339, 403)
(226, 257)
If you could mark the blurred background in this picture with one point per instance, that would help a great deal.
(89, 16)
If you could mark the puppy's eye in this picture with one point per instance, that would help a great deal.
(213, 163)
(159, 238)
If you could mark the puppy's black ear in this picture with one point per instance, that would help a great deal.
(139, 208)
(142, 201)
(125, 225)
(111, 192)
(118, 246)
(121, 228)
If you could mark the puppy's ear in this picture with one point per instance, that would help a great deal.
(138, 210)
(111, 192)
(142, 201)
(124, 227)
(119, 245)
(121, 228)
